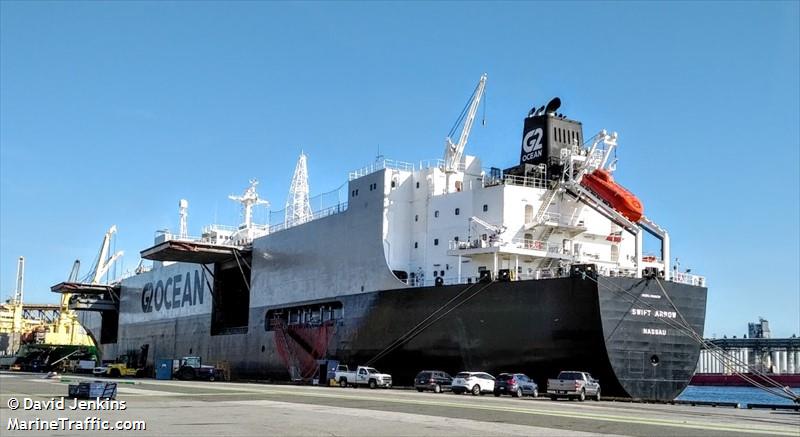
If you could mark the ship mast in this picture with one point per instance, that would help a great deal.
(298, 206)
(248, 199)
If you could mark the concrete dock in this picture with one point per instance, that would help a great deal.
(192, 408)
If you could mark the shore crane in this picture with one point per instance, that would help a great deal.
(453, 152)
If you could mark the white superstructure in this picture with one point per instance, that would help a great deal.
(452, 221)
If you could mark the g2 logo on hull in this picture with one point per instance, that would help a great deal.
(532, 144)
(168, 295)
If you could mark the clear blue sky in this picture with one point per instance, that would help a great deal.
(111, 112)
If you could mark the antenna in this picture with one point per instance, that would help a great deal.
(183, 211)
(298, 206)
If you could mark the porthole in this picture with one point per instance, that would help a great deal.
(654, 360)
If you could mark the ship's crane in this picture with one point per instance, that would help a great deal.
(103, 263)
(73, 274)
(496, 230)
(454, 151)
(592, 161)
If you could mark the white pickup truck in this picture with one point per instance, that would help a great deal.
(362, 376)
(570, 384)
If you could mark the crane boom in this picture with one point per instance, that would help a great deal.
(497, 229)
(103, 261)
(454, 151)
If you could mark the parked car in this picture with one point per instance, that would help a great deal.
(573, 385)
(433, 380)
(473, 382)
(362, 376)
(515, 384)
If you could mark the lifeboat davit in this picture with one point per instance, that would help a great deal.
(601, 183)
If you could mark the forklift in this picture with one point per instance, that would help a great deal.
(130, 364)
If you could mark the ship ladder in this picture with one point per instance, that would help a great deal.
(431, 319)
(546, 236)
(546, 202)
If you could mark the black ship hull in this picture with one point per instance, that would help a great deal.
(608, 327)
(540, 328)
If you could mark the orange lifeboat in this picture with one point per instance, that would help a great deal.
(601, 183)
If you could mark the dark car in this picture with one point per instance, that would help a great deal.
(433, 380)
(515, 384)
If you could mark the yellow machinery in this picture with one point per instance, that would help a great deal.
(126, 365)
(44, 324)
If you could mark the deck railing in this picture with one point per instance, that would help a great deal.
(336, 209)
(689, 279)
(380, 165)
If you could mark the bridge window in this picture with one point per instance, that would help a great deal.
(485, 207)
(436, 213)
(416, 217)
(416, 245)
(435, 241)
(458, 211)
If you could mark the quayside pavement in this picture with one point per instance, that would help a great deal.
(192, 408)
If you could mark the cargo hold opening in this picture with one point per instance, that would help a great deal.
(231, 308)
(109, 326)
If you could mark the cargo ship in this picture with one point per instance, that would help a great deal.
(445, 264)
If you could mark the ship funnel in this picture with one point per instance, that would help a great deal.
(552, 106)
(544, 135)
